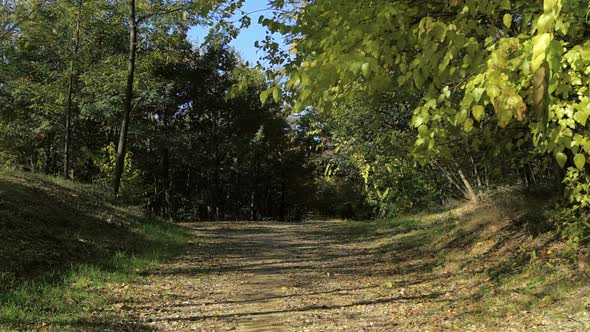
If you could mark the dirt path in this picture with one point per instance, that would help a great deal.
(274, 277)
(300, 277)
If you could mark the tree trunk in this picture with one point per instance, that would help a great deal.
(451, 180)
(252, 207)
(49, 158)
(470, 193)
(283, 203)
(165, 182)
(68, 138)
(122, 146)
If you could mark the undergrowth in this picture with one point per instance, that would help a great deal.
(63, 243)
(510, 259)
(69, 299)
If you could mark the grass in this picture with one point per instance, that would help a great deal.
(64, 300)
(509, 269)
(86, 241)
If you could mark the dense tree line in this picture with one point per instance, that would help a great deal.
(379, 107)
(490, 93)
(196, 140)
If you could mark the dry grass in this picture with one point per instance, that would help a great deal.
(506, 258)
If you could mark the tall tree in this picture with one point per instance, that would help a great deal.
(476, 69)
(128, 103)
(70, 93)
(197, 11)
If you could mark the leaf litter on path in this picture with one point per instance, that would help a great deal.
(309, 277)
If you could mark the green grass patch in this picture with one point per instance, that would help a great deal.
(65, 300)
(365, 229)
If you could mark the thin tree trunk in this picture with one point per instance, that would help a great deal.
(471, 195)
(451, 180)
(283, 204)
(165, 181)
(122, 146)
(49, 155)
(533, 178)
(476, 173)
(68, 138)
(252, 208)
(486, 178)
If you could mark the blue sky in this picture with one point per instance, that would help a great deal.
(244, 43)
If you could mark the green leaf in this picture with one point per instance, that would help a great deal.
(540, 45)
(276, 94)
(561, 158)
(581, 117)
(365, 69)
(468, 125)
(545, 22)
(478, 112)
(461, 117)
(265, 94)
(418, 120)
(423, 130)
(507, 20)
(548, 5)
(580, 161)
(418, 79)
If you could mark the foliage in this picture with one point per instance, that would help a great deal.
(371, 137)
(394, 105)
(574, 222)
(131, 182)
(201, 145)
(63, 299)
(501, 76)
(205, 128)
(64, 241)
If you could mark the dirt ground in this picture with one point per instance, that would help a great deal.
(307, 277)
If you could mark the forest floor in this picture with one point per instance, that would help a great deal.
(73, 260)
(468, 268)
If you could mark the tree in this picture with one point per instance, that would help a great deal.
(128, 104)
(153, 11)
(68, 129)
(13, 13)
(199, 146)
(502, 75)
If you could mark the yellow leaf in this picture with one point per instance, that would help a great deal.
(507, 20)
(365, 69)
(548, 5)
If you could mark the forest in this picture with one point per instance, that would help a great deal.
(349, 119)
(371, 120)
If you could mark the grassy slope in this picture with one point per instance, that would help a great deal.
(62, 243)
(501, 259)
